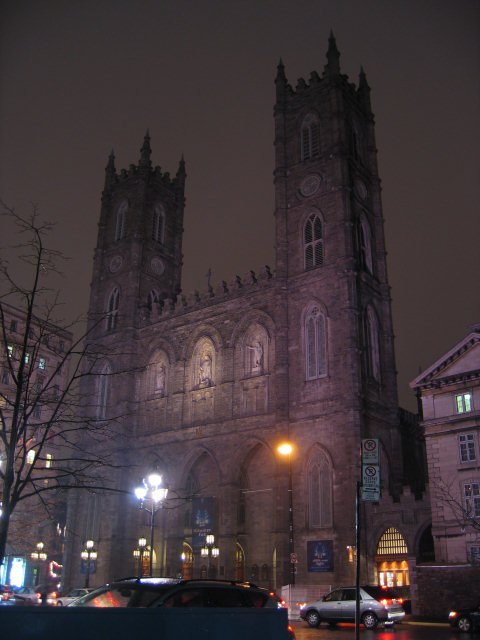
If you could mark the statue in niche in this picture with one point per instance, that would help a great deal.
(256, 356)
(205, 369)
(161, 379)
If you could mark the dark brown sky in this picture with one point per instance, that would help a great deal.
(80, 77)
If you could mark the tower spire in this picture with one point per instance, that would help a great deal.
(110, 172)
(364, 89)
(332, 67)
(145, 153)
(281, 81)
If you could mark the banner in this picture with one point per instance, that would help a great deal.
(202, 521)
(320, 555)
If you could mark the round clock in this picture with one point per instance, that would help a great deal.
(310, 185)
(157, 266)
(115, 263)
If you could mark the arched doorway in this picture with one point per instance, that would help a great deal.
(239, 563)
(187, 561)
(391, 559)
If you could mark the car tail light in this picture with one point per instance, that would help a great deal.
(386, 601)
(400, 600)
(39, 595)
(452, 614)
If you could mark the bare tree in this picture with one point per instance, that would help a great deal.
(462, 512)
(49, 441)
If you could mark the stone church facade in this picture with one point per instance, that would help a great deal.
(205, 387)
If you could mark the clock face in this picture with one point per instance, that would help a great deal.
(115, 263)
(310, 185)
(157, 266)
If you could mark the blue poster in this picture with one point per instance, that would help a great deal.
(320, 555)
(202, 521)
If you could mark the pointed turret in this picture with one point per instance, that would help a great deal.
(181, 174)
(332, 68)
(364, 90)
(145, 153)
(110, 173)
(281, 82)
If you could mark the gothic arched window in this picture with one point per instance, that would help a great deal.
(372, 349)
(313, 242)
(121, 221)
(158, 223)
(103, 392)
(319, 478)
(310, 137)
(365, 245)
(315, 344)
(112, 309)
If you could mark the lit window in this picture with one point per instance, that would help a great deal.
(313, 242)
(31, 456)
(10, 351)
(13, 326)
(463, 402)
(27, 358)
(315, 344)
(42, 363)
(310, 137)
(467, 447)
(472, 499)
(48, 461)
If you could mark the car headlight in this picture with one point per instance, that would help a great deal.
(452, 615)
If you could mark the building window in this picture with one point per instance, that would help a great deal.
(463, 402)
(365, 246)
(5, 377)
(13, 326)
(471, 494)
(42, 363)
(48, 461)
(315, 344)
(112, 311)
(37, 412)
(103, 392)
(158, 223)
(121, 221)
(310, 137)
(10, 350)
(466, 443)
(372, 349)
(474, 555)
(31, 456)
(313, 242)
(319, 491)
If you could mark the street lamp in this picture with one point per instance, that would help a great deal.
(209, 550)
(88, 554)
(151, 495)
(286, 450)
(38, 556)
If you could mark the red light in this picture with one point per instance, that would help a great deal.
(400, 600)
(386, 601)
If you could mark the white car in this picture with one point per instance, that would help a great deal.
(29, 594)
(70, 597)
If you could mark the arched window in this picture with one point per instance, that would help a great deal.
(315, 344)
(313, 242)
(112, 309)
(365, 245)
(319, 478)
(121, 221)
(152, 300)
(239, 563)
(103, 392)
(372, 350)
(158, 223)
(310, 137)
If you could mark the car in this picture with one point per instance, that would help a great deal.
(377, 605)
(402, 594)
(30, 595)
(65, 600)
(178, 592)
(465, 619)
(6, 592)
(48, 594)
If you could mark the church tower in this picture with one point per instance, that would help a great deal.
(138, 258)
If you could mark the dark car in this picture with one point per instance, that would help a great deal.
(376, 605)
(402, 594)
(465, 619)
(176, 592)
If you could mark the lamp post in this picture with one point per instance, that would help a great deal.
(151, 495)
(88, 554)
(286, 450)
(209, 551)
(39, 556)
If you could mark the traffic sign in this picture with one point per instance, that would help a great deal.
(370, 451)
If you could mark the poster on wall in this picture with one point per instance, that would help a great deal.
(320, 555)
(202, 520)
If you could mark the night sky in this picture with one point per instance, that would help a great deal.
(81, 77)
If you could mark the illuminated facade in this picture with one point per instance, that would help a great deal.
(214, 381)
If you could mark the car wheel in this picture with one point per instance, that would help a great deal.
(464, 623)
(369, 620)
(59, 603)
(313, 619)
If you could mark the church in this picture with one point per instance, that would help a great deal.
(205, 387)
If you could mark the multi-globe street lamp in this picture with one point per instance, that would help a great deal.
(38, 556)
(151, 494)
(286, 450)
(209, 551)
(88, 555)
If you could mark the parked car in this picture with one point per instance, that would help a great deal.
(176, 592)
(71, 596)
(5, 592)
(465, 619)
(29, 594)
(376, 605)
(402, 594)
(48, 594)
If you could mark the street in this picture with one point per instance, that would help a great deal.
(404, 631)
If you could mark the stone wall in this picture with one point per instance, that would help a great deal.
(443, 588)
